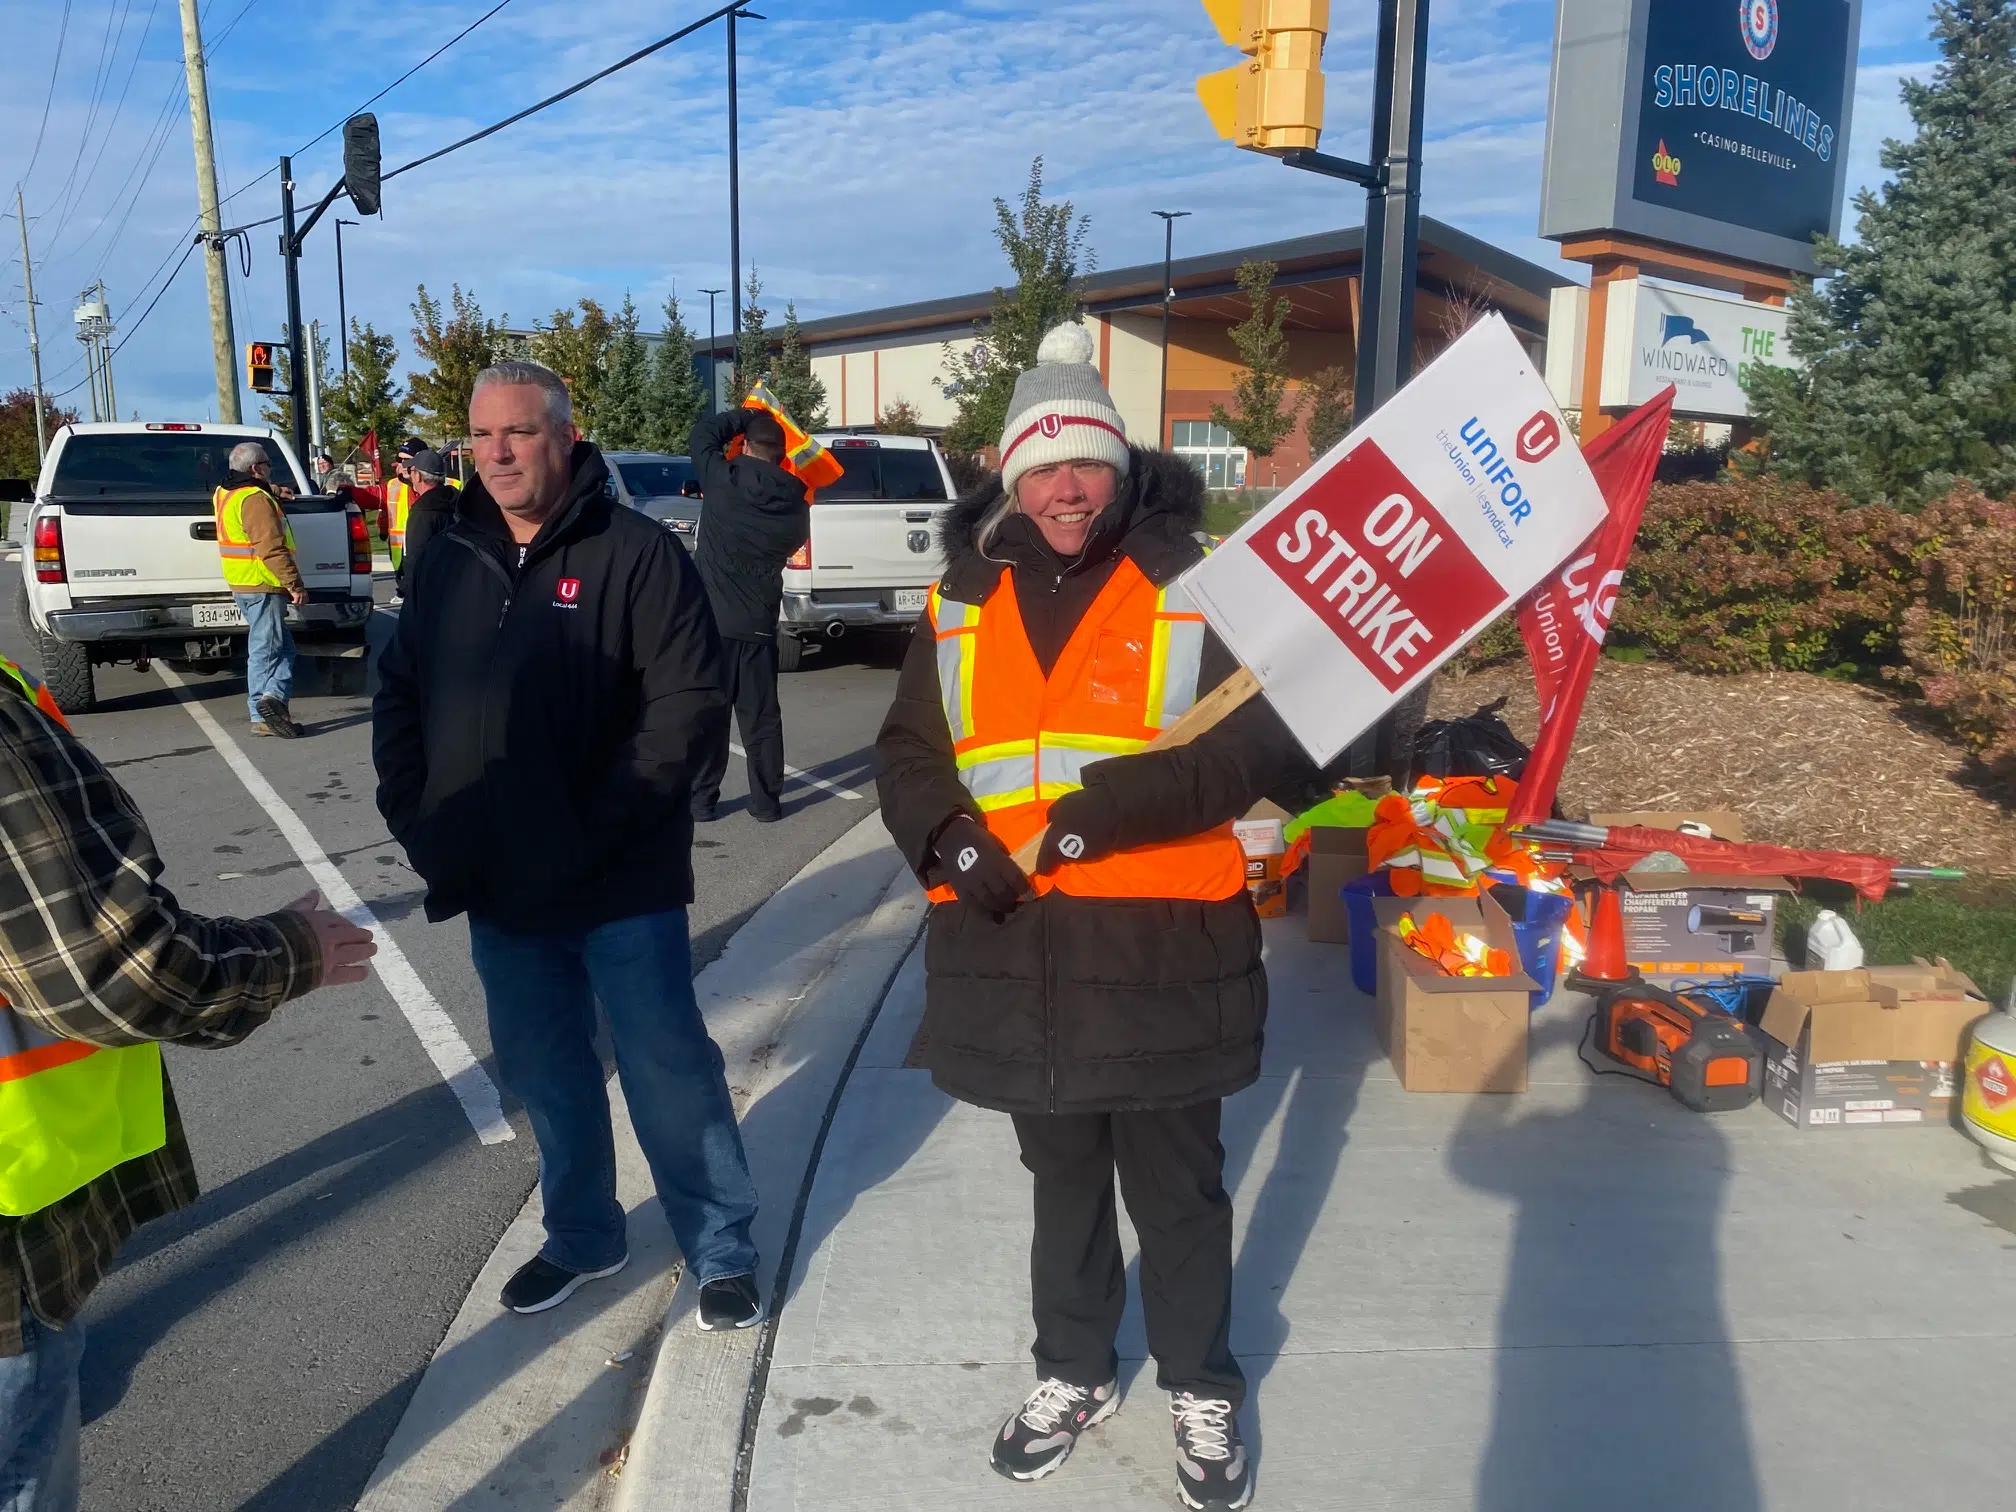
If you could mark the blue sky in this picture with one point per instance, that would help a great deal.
(875, 136)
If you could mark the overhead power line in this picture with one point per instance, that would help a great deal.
(55, 68)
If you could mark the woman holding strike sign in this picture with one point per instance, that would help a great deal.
(1110, 1001)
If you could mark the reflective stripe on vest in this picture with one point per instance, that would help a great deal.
(243, 566)
(1022, 740)
(69, 1112)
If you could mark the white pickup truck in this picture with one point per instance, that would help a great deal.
(119, 556)
(873, 552)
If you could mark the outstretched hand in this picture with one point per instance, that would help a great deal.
(344, 947)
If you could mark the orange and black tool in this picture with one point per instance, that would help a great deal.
(1673, 1039)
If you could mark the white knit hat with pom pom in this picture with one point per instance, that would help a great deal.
(1061, 412)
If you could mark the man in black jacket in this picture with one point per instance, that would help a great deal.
(755, 516)
(553, 681)
(433, 509)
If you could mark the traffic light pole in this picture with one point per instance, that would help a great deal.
(290, 254)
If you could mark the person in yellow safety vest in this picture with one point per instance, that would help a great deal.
(399, 496)
(256, 547)
(99, 965)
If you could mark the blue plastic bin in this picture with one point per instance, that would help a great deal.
(1358, 896)
(1536, 927)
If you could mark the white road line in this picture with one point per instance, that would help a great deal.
(807, 778)
(437, 1033)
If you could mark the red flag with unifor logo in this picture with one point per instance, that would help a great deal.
(1564, 620)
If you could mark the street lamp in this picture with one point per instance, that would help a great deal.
(735, 167)
(713, 383)
(1169, 219)
(342, 317)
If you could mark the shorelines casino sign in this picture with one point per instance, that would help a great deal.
(1716, 124)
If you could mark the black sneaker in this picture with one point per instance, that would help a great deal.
(1211, 1468)
(767, 816)
(705, 814)
(731, 1302)
(541, 1284)
(1045, 1428)
(278, 720)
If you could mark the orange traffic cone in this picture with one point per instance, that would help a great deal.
(1606, 961)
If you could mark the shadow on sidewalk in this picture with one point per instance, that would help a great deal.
(1616, 1381)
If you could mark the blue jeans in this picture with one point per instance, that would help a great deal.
(541, 991)
(269, 649)
(39, 1409)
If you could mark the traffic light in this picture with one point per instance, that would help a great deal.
(259, 366)
(1272, 102)
(361, 162)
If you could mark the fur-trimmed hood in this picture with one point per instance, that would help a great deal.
(1155, 519)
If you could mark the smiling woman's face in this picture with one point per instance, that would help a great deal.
(1065, 499)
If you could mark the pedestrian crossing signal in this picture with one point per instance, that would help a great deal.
(259, 366)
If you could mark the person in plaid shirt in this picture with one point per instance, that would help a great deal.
(95, 952)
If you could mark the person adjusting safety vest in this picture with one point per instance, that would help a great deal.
(804, 458)
(243, 566)
(399, 501)
(69, 1112)
(1022, 741)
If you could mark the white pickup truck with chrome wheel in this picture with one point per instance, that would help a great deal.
(119, 556)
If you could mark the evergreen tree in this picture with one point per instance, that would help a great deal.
(369, 399)
(1330, 405)
(676, 397)
(625, 422)
(802, 395)
(1260, 423)
(1045, 245)
(578, 350)
(752, 347)
(459, 348)
(1910, 348)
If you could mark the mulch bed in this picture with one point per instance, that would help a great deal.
(1805, 760)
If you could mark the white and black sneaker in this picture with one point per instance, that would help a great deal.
(541, 1284)
(1044, 1430)
(1212, 1472)
(731, 1302)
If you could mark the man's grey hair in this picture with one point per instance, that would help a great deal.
(559, 403)
(247, 455)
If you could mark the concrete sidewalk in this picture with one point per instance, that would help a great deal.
(1583, 1297)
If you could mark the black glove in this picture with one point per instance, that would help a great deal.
(979, 868)
(1081, 829)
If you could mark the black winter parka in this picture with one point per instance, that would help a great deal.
(754, 517)
(1074, 1005)
(540, 711)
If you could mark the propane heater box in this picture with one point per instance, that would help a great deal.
(1697, 924)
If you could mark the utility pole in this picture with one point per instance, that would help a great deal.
(290, 255)
(713, 382)
(314, 396)
(1169, 219)
(342, 314)
(734, 191)
(223, 345)
(34, 339)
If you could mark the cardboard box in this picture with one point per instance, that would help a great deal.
(1871, 1048)
(1266, 849)
(1336, 856)
(1444, 1033)
(1664, 936)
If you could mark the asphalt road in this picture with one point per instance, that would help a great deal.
(257, 1350)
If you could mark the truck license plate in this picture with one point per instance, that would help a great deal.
(219, 617)
(912, 600)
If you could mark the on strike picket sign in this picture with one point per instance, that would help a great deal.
(1410, 536)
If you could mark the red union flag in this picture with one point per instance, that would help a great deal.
(1404, 541)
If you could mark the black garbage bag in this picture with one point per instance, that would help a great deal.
(1476, 745)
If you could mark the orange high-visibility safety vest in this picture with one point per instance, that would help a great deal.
(69, 1112)
(1022, 740)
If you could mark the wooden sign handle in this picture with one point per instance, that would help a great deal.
(1203, 715)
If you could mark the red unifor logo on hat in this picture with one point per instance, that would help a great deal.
(569, 590)
(1052, 426)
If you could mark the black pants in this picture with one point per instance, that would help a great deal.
(749, 669)
(1172, 1170)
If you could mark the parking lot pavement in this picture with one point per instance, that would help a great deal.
(349, 1201)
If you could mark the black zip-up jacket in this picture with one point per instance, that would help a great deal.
(1078, 1005)
(754, 517)
(539, 714)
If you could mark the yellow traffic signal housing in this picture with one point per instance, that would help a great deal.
(1272, 102)
(259, 366)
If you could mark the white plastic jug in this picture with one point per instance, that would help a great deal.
(1831, 945)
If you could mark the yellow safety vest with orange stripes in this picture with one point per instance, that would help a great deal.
(69, 1112)
(1023, 740)
(243, 566)
(398, 505)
